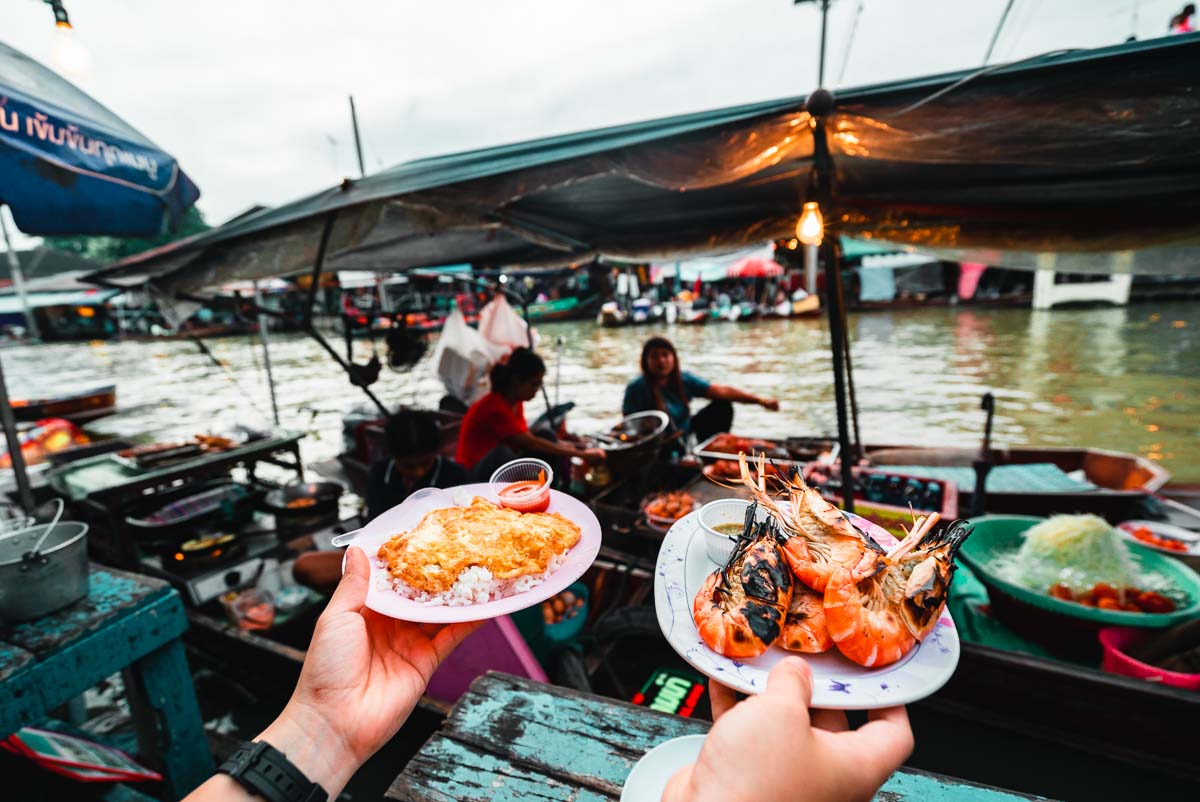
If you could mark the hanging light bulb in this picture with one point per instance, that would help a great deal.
(69, 55)
(810, 228)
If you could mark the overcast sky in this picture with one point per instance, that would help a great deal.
(250, 95)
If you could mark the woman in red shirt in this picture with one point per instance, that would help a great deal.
(494, 429)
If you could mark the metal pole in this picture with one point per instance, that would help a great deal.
(18, 280)
(837, 338)
(24, 493)
(810, 269)
(996, 34)
(263, 335)
(362, 171)
(824, 19)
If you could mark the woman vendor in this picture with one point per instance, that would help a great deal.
(665, 387)
(494, 429)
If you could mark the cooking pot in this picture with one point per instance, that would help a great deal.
(304, 507)
(35, 584)
(632, 443)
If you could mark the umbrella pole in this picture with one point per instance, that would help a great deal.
(263, 335)
(858, 444)
(18, 280)
(837, 337)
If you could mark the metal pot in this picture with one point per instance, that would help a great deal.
(633, 442)
(34, 585)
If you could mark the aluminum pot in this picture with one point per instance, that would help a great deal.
(34, 585)
(633, 443)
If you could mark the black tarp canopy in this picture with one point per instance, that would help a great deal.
(1072, 160)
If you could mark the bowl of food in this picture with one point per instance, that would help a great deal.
(1174, 541)
(523, 484)
(1057, 581)
(662, 510)
(723, 521)
(1117, 642)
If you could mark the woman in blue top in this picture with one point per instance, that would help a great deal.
(664, 386)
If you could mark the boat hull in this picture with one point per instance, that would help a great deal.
(77, 408)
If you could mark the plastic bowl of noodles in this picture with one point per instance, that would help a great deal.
(1067, 628)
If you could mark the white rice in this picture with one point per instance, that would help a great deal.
(474, 585)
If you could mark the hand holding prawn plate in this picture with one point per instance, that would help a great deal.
(881, 605)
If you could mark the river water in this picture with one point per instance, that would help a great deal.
(1119, 378)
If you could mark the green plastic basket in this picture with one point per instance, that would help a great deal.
(1064, 627)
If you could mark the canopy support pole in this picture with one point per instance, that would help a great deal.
(24, 493)
(307, 320)
(858, 443)
(18, 280)
(820, 105)
(838, 348)
(264, 336)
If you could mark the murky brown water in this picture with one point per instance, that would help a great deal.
(1126, 379)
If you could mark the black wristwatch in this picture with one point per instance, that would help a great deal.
(263, 770)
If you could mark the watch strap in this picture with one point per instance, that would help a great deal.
(263, 770)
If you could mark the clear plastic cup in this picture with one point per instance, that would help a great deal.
(523, 484)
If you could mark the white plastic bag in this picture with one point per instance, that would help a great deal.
(462, 359)
(500, 324)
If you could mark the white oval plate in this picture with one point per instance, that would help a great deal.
(1186, 536)
(838, 684)
(407, 515)
(650, 775)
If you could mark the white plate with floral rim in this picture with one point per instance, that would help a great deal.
(838, 684)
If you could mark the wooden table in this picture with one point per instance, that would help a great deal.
(129, 623)
(515, 739)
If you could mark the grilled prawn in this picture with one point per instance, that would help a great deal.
(740, 609)
(877, 619)
(804, 628)
(824, 540)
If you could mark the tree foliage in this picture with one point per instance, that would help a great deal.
(111, 249)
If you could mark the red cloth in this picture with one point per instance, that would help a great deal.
(969, 274)
(488, 423)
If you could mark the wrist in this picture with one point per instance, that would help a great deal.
(313, 746)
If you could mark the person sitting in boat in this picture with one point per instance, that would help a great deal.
(413, 463)
(665, 387)
(494, 430)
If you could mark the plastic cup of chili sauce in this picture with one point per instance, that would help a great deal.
(523, 485)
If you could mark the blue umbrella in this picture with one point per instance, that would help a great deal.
(69, 166)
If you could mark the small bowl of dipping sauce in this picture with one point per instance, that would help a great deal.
(523, 485)
(723, 521)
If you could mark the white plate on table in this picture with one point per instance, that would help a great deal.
(838, 683)
(650, 775)
(382, 599)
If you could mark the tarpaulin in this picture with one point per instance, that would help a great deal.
(1080, 155)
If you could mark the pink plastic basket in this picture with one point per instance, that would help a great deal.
(1114, 640)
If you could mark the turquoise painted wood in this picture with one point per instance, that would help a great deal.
(512, 739)
(127, 622)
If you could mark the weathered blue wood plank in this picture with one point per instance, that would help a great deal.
(110, 593)
(542, 725)
(510, 738)
(12, 658)
(446, 770)
(160, 680)
(64, 674)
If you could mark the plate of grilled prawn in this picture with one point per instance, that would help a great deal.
(866, 611)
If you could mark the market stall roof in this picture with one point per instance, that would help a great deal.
(11, 304)
(1079, 154)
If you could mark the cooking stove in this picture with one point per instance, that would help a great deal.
(208, 581)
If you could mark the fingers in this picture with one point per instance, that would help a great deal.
(351, 592)
(829, 720)
(791, 678)
(721, 698)
(450, 636)
(677, 786)
(884, 742)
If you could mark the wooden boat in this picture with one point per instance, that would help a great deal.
(1122, 482)
(78, 407)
